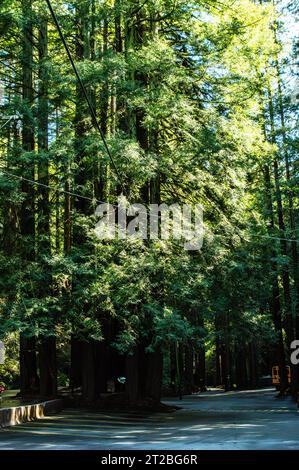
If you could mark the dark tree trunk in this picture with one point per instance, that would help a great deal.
(47, 344)
(28, 363)
(275, 304)
(44, 244)
(48, 367)
(173, 373)
(154, 362)
(188, 370)
(289, 327)
(219, 380)
(93, 371)
(146, 381)
(29, 381)
(67, 225)
(132, 375)
(241, 373)
(76, 363)
(200, 371)
(280, 353)
(225, 372)
(293, 323)
(253, 366)
(84, 372)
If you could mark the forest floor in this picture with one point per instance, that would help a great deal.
(212, 420)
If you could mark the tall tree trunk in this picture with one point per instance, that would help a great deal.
(188, 370)
(218, 368)
(281, 225)
(48, 366)
(294, 333)
(200, 364)
(132, 376)
(47, 344)
(29, 380)
(275, 302)
(200, 371)
(154, 375)
(92, 369)
(28, 363)
(275, 305)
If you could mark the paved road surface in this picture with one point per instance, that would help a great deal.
(213, 420)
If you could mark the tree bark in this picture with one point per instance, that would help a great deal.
(132, 376)
(47, 344)
(154, 375)
(294, 323)
(29, 380)
(48, 367)
(28, 363)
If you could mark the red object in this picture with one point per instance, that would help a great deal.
(2, 389)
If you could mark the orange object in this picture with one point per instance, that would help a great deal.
(276, 375)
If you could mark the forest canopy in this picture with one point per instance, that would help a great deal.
(196, 103)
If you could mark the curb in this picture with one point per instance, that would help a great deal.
(26, 413)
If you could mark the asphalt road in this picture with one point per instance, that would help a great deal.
(213, 420)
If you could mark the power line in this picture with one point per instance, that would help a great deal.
(94, 200)
(58, 190)
(91, 108)
(277, 238)
(10, 119)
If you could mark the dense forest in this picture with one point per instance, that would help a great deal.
(192, 103)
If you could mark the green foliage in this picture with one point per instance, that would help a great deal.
(192, 76)
(9, 371)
